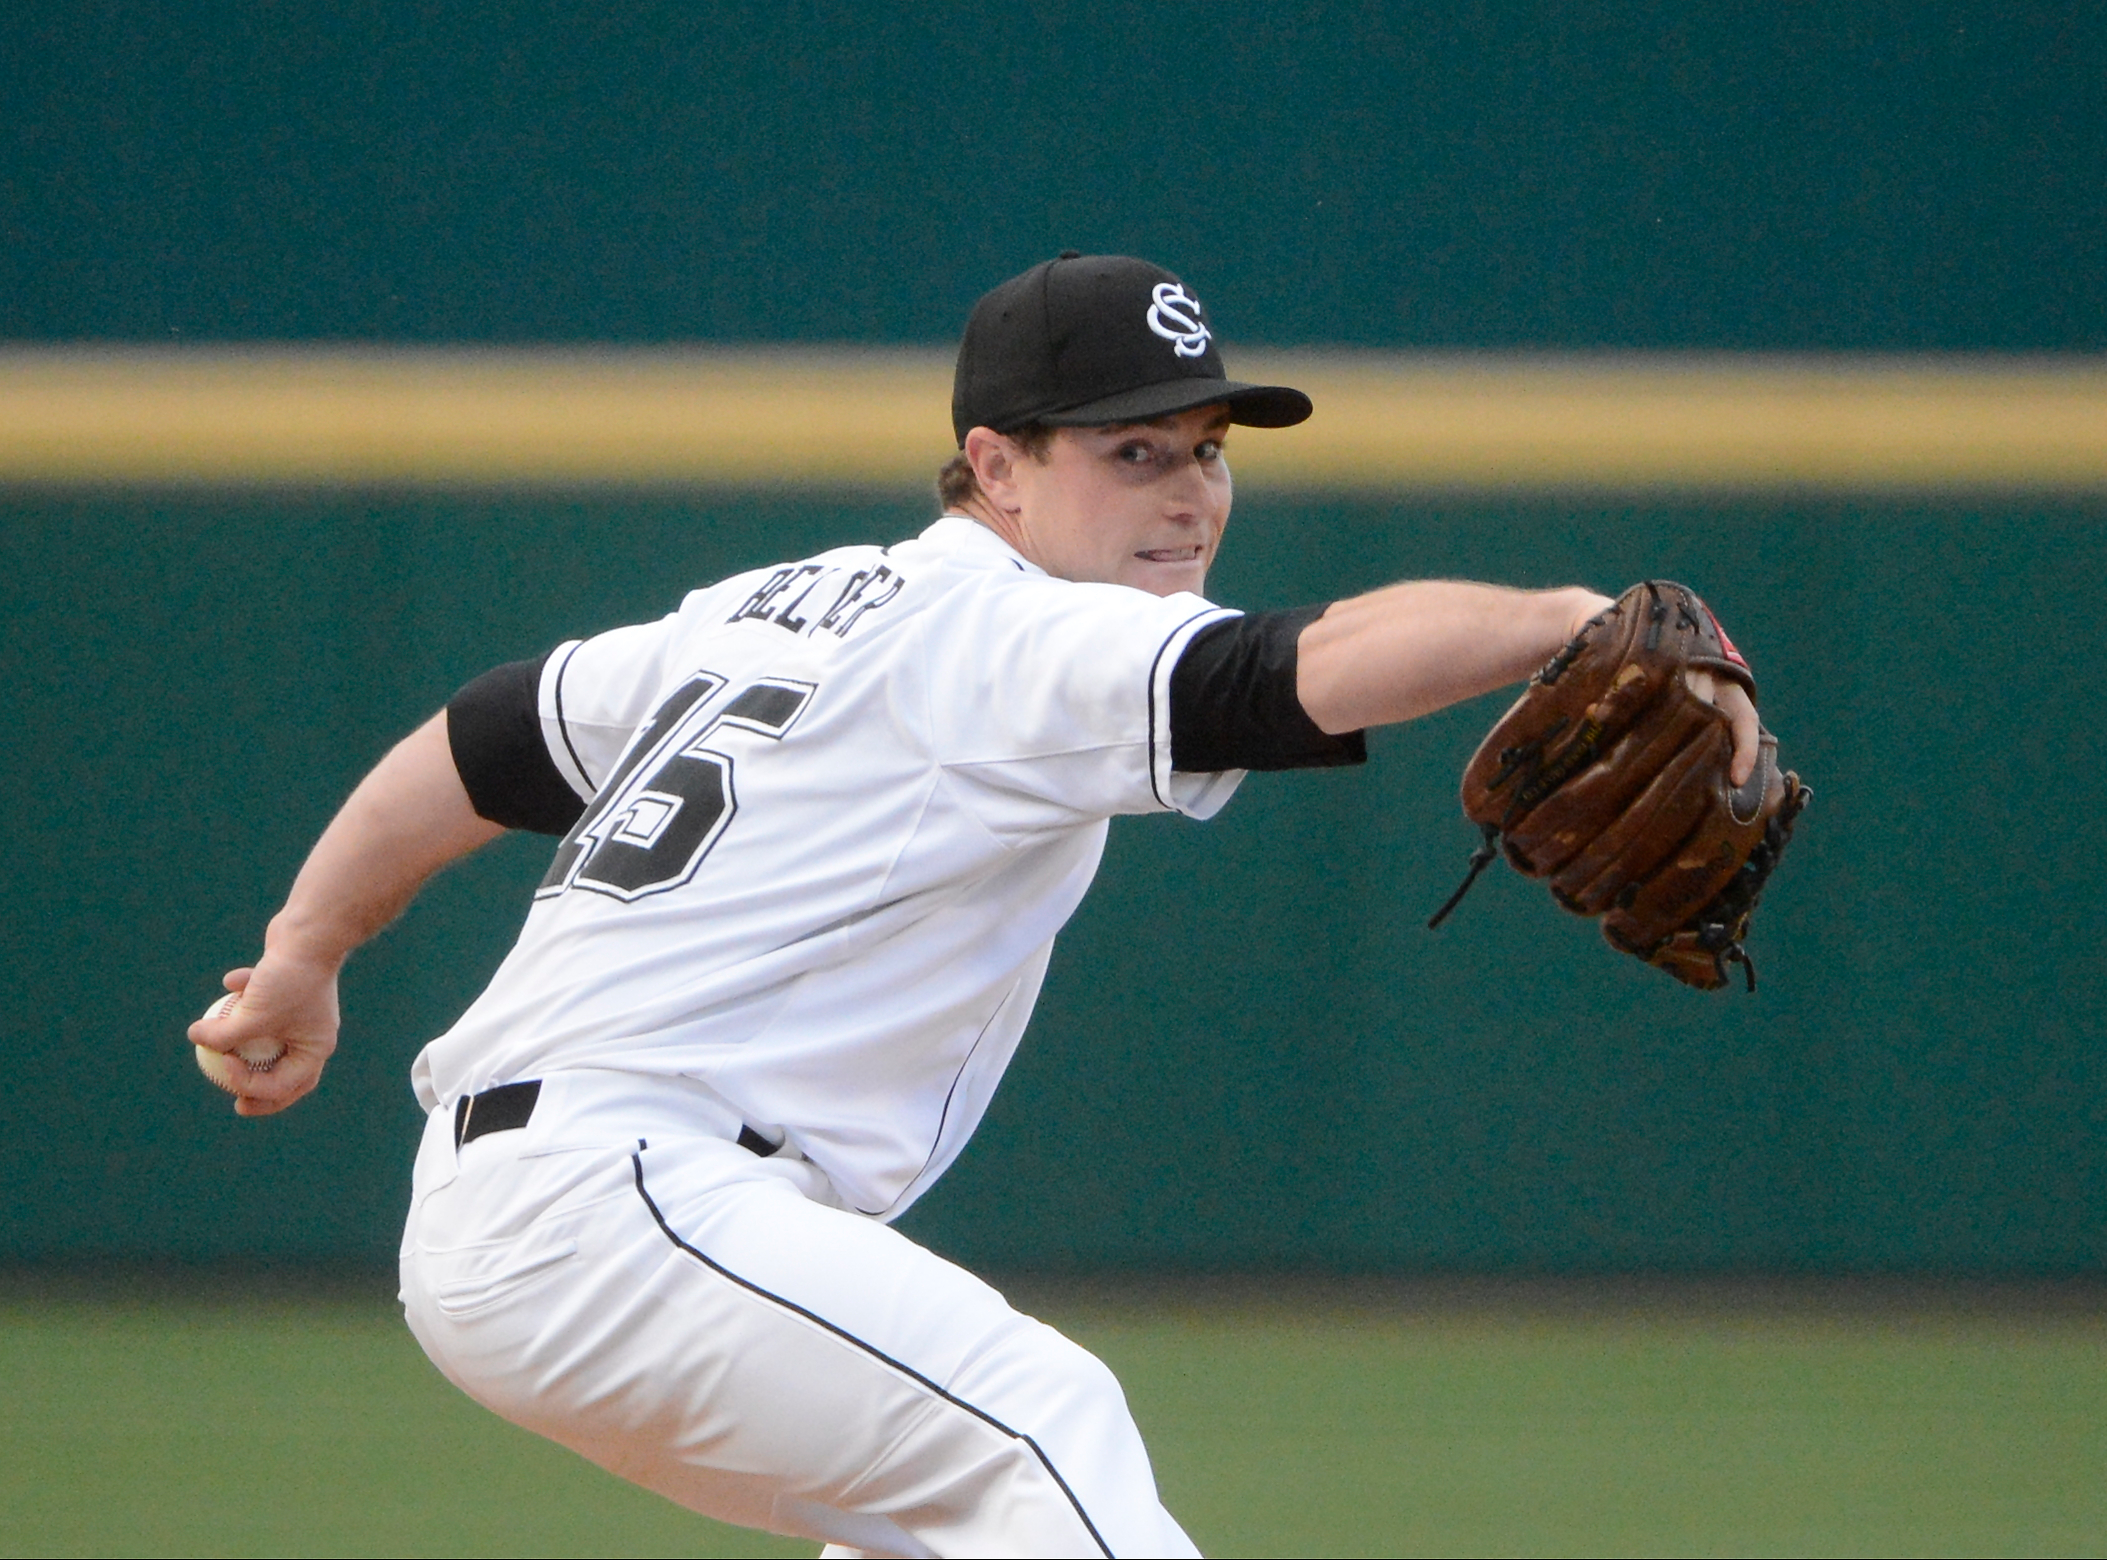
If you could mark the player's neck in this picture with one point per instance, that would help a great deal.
(978, 509)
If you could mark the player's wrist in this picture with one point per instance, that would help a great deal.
(1574, 607)
(316, 943)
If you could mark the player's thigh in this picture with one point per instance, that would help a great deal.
(864, 1279)
(996, 1435)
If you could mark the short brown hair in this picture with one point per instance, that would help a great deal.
(956, 485)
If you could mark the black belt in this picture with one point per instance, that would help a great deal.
(511, 1105)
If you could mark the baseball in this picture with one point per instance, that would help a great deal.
(229, 1072)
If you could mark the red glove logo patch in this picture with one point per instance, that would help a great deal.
(1725, 643)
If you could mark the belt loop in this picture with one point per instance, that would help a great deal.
(504, 1108)
(754, 1143)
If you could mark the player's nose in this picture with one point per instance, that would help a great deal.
(1187, 496)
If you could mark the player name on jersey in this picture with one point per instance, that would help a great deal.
(850, 594)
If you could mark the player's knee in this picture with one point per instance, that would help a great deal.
(1075, 1386)
(1091, 1379)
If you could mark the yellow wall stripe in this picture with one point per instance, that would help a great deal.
(848, 418)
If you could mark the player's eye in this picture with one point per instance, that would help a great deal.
(1208, 450)
(1136, 453)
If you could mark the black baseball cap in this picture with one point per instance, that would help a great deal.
(1084, 340)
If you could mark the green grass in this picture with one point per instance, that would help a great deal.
(1306, 1421)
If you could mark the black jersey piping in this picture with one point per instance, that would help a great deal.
(944, 1116)
(563, 727)
(1154, 666)
(636, 1160)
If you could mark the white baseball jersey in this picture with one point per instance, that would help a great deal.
(836, 812)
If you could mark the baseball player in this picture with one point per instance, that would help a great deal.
(818, 829)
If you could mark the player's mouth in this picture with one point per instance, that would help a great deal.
(1171, 554)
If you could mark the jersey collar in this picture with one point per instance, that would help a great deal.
(964, 538)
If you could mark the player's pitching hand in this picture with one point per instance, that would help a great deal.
(266, 1044)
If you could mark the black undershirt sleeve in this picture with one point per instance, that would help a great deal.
(494, 727)
(1233, 700)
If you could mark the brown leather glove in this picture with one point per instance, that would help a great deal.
(1610, 778)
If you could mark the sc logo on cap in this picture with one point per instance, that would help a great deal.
(1175, 316)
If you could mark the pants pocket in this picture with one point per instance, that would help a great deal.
(480, 1279)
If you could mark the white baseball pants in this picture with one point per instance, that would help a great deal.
(710, 1325)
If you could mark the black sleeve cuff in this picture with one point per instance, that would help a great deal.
(494, 727)
(1234, 706)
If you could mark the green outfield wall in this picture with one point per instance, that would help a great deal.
(1908, 175)
(1250, 1052)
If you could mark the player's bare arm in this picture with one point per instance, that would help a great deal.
(1410, 649)
(1146, 504)
(407, 819)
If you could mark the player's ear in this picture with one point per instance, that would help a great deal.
(994, 462)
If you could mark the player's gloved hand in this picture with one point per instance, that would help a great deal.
(1728, 695)
(1634, 777)
(287, 1009)
(1739, 708)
